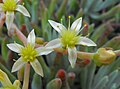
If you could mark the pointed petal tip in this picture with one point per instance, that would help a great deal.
(72, 65)
(13, 70)
(80, 19)
(49, 20)
(95, 45)
(31, 38)
(29, 15)
(72, 55)
(42, 75)
(15, 47)
(86, 42)
(7, 45)
(37, 67)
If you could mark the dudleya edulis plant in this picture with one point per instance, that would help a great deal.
(59, 58)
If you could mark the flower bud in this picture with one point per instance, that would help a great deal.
(104, 57)
(54, 84)
(39, 40)
(61, 74)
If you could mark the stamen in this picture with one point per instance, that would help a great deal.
(61, 20)
(69, 17)
(23, 3)
(82, 28)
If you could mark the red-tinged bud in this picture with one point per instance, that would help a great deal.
(24, 30)
(86, 26)
(61, 74)
(39, 40)
(85, 30)
(54, 84)
(83, 62)
(86, 61)
(23, 27)
(71, 75)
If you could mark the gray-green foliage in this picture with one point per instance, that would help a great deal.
(105, 77)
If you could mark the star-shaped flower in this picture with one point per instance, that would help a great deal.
(29, 53)
(69, 38)
(9, 7)
(6, 83)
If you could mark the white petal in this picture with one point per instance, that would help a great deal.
(1, 4)
(15, 47)
(4, 0)
(9, 19)
(56, 43)
(37, 67)
(17, 1)
(31, 38)
(72, 56)
(18, 65)
(23, 10)
(4, 79)
(86, 41)
(43, 51)
(57, 26)
(77, 25)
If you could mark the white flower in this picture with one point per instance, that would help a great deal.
(6, 83)
(69, 38)
(9, 7)
(28, 54)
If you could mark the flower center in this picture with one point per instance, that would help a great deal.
(9, 5)
(28, 53)
(69, 38)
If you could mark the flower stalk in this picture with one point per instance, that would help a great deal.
(26, 76)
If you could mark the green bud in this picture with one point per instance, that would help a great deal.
(54, 84)
(39, 40)
(104, 57)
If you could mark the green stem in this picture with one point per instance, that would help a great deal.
(85, 55)
(26, 76)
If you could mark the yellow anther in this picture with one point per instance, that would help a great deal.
(85, 25)
(23, 3)
(69, 17)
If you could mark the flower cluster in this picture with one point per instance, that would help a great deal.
(9, 7)
(29, 53)
(69, 38)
